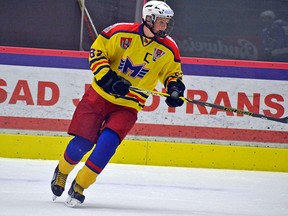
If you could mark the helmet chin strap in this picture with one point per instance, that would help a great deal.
(159, 34)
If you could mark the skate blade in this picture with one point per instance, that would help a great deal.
(54, 197)
(71, 202)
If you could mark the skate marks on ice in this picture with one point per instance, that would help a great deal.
(144, 190)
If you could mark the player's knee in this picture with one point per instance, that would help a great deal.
(109, 138)
(80, 145)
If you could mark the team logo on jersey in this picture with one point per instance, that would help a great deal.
(157, 54)
(127, 67)
(125, 42)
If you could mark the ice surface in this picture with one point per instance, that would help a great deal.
(144, 190)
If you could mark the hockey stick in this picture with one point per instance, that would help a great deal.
(230, 109)
(88, 21)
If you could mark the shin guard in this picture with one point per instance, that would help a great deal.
(74, 152)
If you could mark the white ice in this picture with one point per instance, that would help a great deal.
(144, 190)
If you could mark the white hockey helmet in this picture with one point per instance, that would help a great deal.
(154, 9)
(269, 14)
(157, 9)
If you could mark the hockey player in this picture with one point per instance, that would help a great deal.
(274, 37)
(123, 55)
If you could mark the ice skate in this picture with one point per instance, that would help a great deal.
(76, 196)
(58, 183)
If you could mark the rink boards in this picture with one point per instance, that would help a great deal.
(39, 90)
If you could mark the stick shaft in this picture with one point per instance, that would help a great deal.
(206, 104)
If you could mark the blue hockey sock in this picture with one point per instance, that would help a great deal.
(105, 148)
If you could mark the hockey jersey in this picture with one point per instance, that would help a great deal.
(142, 61)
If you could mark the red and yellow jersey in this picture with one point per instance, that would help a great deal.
(142, 61)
